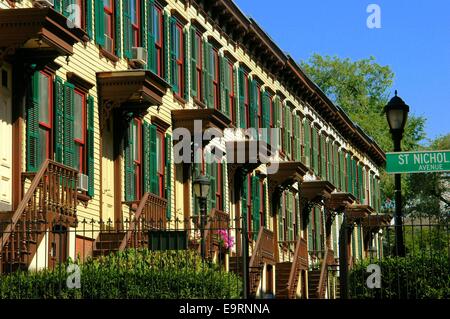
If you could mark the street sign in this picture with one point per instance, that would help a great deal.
(418, 162)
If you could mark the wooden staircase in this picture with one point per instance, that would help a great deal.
(263, 252)
(318, 279)
(150, 214)
(50, 200)
(288, 272)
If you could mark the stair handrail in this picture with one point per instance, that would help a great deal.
(329, 254)
(143, 202)
(28, 195)
(295, 266)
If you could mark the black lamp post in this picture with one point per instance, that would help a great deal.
(201, 189)
(397, 114)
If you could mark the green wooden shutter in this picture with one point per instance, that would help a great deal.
(349, 174)
(58, 4)
(253, 103)
(323, 157)
(166, 45)
(307, 142)
(59, 118)
(222, 85)
(244, 194)
(242, 114)
(168, 163)
(69, 142)
(224, 186)
(66, 10)
(360, 241)
(290, 216)
(151, 48)
(130, 172)
(315, 146)
(280, 221)
(118, 27)
(90, 144)
(186, 64)
(236, 96)
(99, 23)
(342, 171)
(154, 184)
(34, 143)
(277, 118)
(146, 160)
(317, 213)
(296, 136)
(288, 130)
(266, 116)
(264, 199)
(194, 59)
(89, 16)
(211, 172)
(127, 31)
(256, 201)
(330, 175)
(174, 47)
(336, 166)
(208, 74)
(355, 178)
(310, 234)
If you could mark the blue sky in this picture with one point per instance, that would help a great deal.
(414, 40)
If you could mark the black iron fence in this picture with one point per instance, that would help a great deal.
(123, 259)
(383, 272)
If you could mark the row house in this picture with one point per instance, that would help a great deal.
(93, 97)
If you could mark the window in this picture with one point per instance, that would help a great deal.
(80, 130)
(135, 22)
(45, 98)
(215, 71)
(157, 35)
(231, 92)
(198, 66)
(177, 57)
(108, 6)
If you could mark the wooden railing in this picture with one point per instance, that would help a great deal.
(52, 196)
(150, 214)
(327, 260)
(264, 251)
(300, 262)
(216, 221)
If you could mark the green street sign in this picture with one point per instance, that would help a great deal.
(418, 162)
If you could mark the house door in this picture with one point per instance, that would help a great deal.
(6, 134)
(58, 245)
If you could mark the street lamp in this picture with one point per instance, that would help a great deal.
(397, 114)
(201, 186)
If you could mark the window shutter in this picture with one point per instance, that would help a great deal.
(255, 206)
(336, 165)
(307, 142)
(146, 160)
(118, 26)
(69, 142)
(194, 59)
(205, 65)
(342, 170)
(211, 172)
(130, 189)
(330, 172)
(244, 194)
(222, 85)
(151, 48)
(323, 157)
(59, 118)
(264, 199)
(208, 69)
(99, 23)
(168, 153)
(33, 139)
(298, 215)
(310, 234)
(296, 135)
(173, 54)
(287, 131)
(186, 64)
(360, 241)
(280, 220)
(266, 116)
(253, 104)
(314, 143)
(90, 144)
(242, 114)
(66, 10)
(290, 215)
(154, 184)
(224, 186)
(277, 118)
(317, 213)
(166, 45)
(57, 5)
(89, 18)
(236, 96)
(349, 174)
(127, 33)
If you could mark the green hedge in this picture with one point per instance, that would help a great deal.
(413, 277)
(139, 274)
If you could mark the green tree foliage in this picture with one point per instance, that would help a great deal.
(429, 193)
(362, 88)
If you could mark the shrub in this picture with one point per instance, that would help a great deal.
(415, 277)
(141, 274)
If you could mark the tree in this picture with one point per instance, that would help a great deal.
(429, 193)
(362, 88)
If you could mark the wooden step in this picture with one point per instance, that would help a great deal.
(107, 244)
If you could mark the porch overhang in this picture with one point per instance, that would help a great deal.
(358, 212)
(199, 120)
(36, 34)
(374, 222)
(287, 174)
(246, 155)
(338, 201)
(130, 90)
(316, 191)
